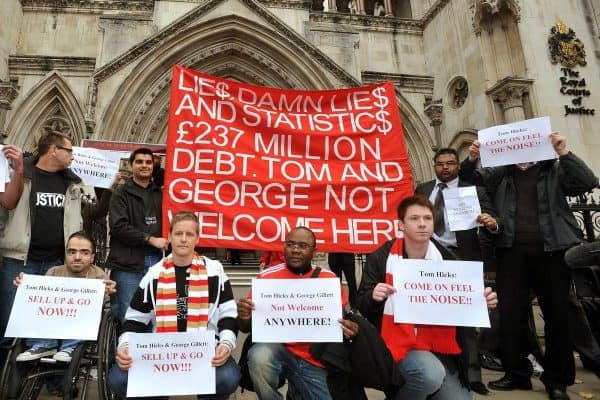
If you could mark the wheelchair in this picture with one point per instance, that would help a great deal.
(25, 380)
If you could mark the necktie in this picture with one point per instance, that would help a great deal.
(439, 227)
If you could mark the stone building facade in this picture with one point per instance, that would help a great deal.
(100, 69)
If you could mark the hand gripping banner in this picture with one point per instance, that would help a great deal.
(254, 162)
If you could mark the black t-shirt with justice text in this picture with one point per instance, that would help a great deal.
(47, 230)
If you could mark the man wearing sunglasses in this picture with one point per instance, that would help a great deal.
(46, 213)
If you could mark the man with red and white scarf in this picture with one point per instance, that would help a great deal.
(182, 293)
(426, 355)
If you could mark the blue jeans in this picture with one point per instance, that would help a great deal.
(268, 361)
(227, 378)
(53, 343)
(425, 374)
(127, 284)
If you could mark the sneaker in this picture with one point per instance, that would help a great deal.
(35, 353)
(65, 355)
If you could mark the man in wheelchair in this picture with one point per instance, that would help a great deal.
(79, 256)
(182, 293)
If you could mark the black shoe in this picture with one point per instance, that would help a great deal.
(557, 394)
(490, 362)
(508, 383)
(479, 387)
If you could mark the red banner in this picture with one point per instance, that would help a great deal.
(254, 162)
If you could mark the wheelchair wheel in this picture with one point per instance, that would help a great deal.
(13, 373)
(32, 388)
(77, 375)
(107, 347)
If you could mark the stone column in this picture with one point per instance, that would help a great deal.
(361, 7)
(389, 11)
(331, 5)
(8, 93)
(508, 93)
(433, 110)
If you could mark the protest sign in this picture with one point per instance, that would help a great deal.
(439, 293)
(4, 171)
(96, 167)
(296, 310)
(171, 364)
(50, 307)
(462, 207)
(254, 162)
(519, 142)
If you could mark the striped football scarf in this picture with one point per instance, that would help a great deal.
(166, 296)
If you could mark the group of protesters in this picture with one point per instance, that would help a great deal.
(525, 226)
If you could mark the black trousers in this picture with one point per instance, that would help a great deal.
(348, 270)
(520, 268)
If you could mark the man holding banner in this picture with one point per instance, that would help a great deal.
(538, 228)
(426, 355)
(268, 361)
(184, 292)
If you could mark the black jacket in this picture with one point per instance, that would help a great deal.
(468, 243)
(566, 176)
(374, 273)
(129, 206)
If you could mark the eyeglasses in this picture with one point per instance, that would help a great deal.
(290, 244)
(67, 149)
(441, 164)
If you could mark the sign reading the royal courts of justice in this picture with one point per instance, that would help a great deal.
(253, 162)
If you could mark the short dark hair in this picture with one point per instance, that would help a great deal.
(415, 200)
(184, 216)
(445, 150)
(84, 236)
(51, 138)
(307, 230)
(141, 150)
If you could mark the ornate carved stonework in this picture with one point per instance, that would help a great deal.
(509, 92)
(565, 48)
(433, 110)
(193, 16)
(297, 4)
(58, 121)
(433, 11)
(89, 5)
(458, 92)
(368, 21)
(8, 93)
(421, 83)
(23, 64)
(493, 7)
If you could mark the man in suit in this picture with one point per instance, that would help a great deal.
(465, 244)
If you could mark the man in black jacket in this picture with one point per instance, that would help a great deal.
(135, 229)
(538, 227)
(425, 355)
(464, 243)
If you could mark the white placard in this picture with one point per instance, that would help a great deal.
(462, 207)
(4, 171)
(171, 364)
(519, 142)
(296, 310)
(439, 293)
(96, 167)
(51, 307)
